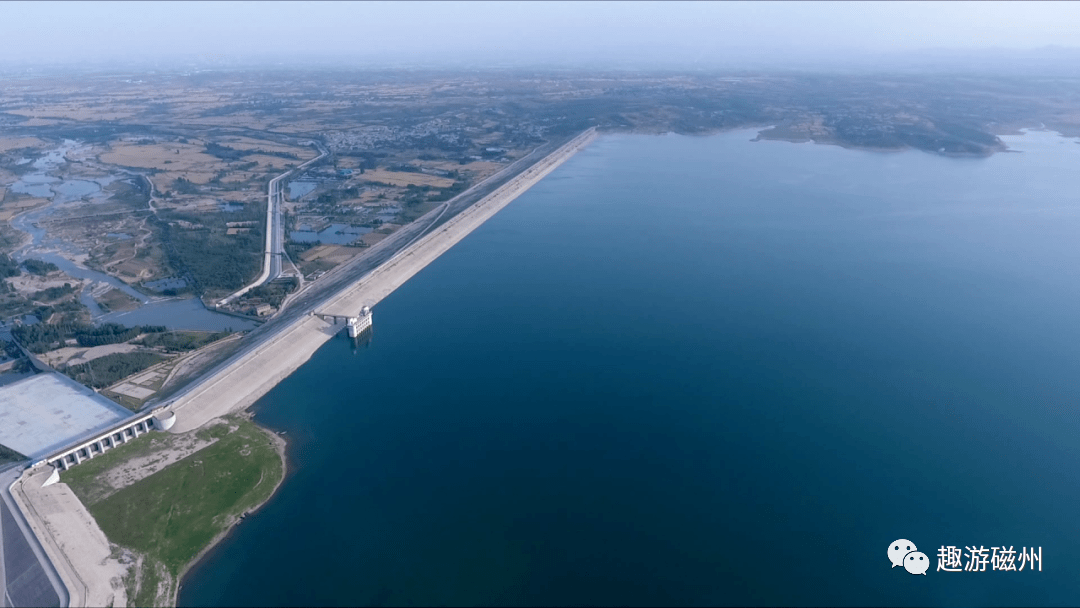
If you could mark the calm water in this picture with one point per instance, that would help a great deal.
(699, 371)
(179, 313)
(299, 189)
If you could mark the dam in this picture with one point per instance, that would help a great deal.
(72, 544)
(244, 380)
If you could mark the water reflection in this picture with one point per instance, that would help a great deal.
(362, 341)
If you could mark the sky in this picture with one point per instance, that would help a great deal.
(676, 33)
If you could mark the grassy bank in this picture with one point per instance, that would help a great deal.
(172, 516)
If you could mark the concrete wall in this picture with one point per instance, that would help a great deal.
(71, 539)
(98, 445)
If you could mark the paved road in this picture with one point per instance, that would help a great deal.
(276, 233)
(345, 275)
(274, 248)
(26, 576)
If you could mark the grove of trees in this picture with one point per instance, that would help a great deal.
(42, 337)
(107, 370)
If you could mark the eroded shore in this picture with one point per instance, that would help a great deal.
(279, 445)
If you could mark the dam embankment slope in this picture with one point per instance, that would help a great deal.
(240, 384)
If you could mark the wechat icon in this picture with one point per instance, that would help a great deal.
(904, 553)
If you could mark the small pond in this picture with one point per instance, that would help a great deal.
(74, 189)
(298, 189)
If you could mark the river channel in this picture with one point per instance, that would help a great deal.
(47, 181)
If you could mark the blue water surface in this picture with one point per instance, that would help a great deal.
(699, 371)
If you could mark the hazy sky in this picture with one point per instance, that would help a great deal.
(692, 32)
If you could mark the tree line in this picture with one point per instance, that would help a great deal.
(108, 370)
(53, 293)
(10, 268)
(176, 341)
(42, 337)
(39, 267)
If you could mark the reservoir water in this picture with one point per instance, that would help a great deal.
(699, 371)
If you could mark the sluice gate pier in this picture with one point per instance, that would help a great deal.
(108, 440)
(355, 324)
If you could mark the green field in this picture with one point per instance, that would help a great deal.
(172, 515)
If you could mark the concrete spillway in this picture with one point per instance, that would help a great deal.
(246, 380)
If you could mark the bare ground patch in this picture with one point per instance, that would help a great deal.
(402, 178)
(18, 143)
(74, 355)
(151, 454)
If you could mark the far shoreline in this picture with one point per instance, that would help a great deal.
(763, 129)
